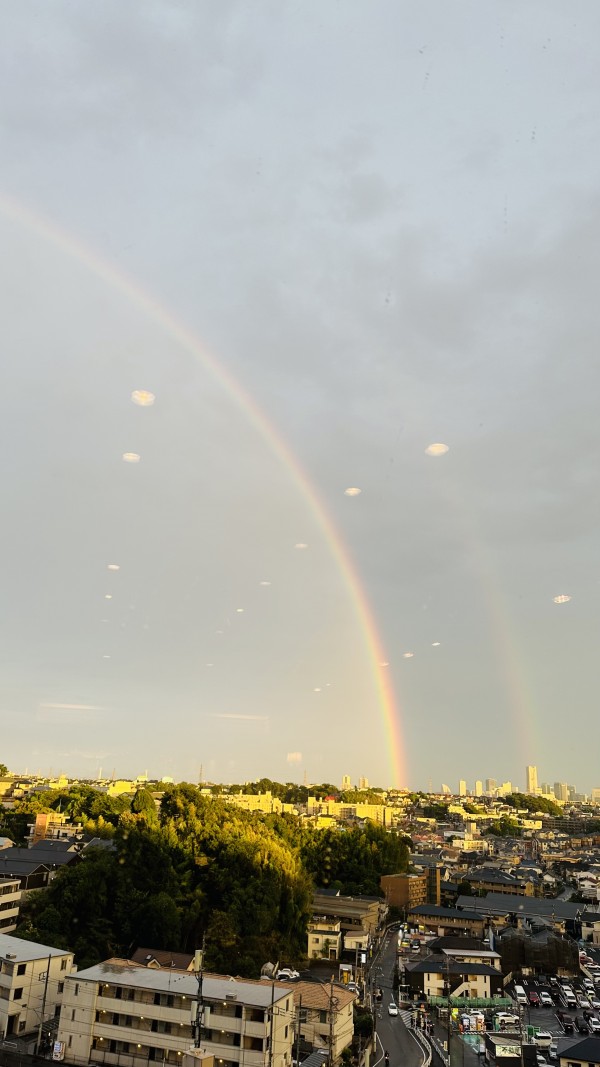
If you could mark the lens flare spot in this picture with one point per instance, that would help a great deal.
(131, 457)
(407, 655)
(114, 567)
(300, 544)
(265, 583)
(435, 644)
(108, 596)
(384, 663)
(240, 611)
(143, 398)
(438, 448)
(562, 598)
(352, 490)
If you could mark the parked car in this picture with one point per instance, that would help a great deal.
(534, 998)
(546, 999)
(583, 1001)
(505, 1019)
(543, 1039)
(581, 1024)
(287, 974)
(594, 1025)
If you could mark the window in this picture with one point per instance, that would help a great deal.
(61, 986)
(70, 1040)
(21, 968)
(18, 994)
(76, 990)
(63, 965)
(73, 1015)
(22, 1026)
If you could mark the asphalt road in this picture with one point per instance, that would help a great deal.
(392, 1034)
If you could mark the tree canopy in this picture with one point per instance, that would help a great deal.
(203, 867)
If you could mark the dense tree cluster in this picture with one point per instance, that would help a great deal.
(526, 802)
(201, 866)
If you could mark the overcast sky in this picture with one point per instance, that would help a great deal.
(381, 223)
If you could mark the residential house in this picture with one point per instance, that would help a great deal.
(324, 1013)
(153, 957)
(583, 1053)
(119, 1012)
(441, 976)
(32, 979)
(324, 938)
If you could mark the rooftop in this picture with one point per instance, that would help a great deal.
(24, 951)
(184, 983)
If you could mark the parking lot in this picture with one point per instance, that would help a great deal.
(584, 1014)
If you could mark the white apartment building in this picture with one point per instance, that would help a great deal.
(127, 1015)
(32, 979)
(10, 901)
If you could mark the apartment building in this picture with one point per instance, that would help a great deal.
(324, 1014)
(10, 901)
(129, 1015)
(32, 979)
(404, 890)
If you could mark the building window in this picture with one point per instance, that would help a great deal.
(21, 968)
(63, 965)
(22, 1026)
(61, 986)
(18, 993)
(73, 1015)
(76, 990)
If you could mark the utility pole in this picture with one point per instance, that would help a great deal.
(331, 1023)
(271, 1023)
(39, 1037)
(199, 969)
(298, 1028)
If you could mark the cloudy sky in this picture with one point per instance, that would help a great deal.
(323, 235)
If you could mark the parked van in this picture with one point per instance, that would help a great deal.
(521, 995)
(570, 998)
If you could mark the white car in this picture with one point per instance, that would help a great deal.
(392, 1008)
(286, 974)
(595, 1002)
(505, 1019)
(583, 1001)
(594, 1025)
(543, 1039)
(546, 999)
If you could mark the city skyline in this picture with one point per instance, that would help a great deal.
(298, 403)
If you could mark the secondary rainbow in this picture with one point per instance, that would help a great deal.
(155, 310)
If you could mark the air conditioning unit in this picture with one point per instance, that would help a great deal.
(11, 955)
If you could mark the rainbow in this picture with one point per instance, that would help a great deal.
(157, 312)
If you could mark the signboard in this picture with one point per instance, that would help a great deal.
(507, 1050)
(58, 1050)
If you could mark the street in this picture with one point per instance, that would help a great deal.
(392, 1034)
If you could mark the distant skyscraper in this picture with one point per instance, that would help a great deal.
(446, 788)
(572, 792)
(462, 788)
(363, 783)
(505, 788)
(531, 780)
(561, 791)
(491, 786)
(346, 783)
(478, 788)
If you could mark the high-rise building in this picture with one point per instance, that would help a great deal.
(478, 788)
(491, 786)
(546, 789)
(462, 788)
(346, 783)
(531, 780)
(363, 783)
(561, 791)
(572, 791)
(505, 789)
(446, 788)
(596, 796)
